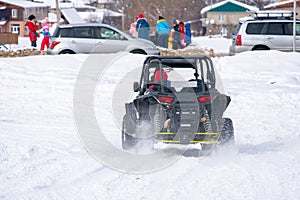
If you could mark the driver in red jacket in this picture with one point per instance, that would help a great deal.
(157, 77)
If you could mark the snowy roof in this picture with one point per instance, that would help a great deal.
(87, 16)
(72, 16)
(2, 23)
(72, 2)
(282, 3)
(89, 1)
(23, 3)
(52, 18)
(208, 8)
(68, 4)
(52, 4)
(98, 14)
(111, 13)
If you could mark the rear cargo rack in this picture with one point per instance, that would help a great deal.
(277, 14)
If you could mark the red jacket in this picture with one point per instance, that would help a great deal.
(32, 30)
(157, 76)
(181, 31)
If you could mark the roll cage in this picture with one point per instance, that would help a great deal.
(204, 73)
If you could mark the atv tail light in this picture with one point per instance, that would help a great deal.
(54, 44)
(238, 40)
(165, 99)
(204, 99)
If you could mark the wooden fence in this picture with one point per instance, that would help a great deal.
(9, 38)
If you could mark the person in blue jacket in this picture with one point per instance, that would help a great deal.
(142, 27)
(187, 34)
(163, 32)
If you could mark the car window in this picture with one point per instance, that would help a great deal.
(97, 33)
(237, 28)
(298, 29)
(63, 32)
(82, 32)
(280, 28)
(109, 34)
(289, 28)
(255, 28)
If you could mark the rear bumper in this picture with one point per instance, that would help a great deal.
(52, 52)
(187, 138)
(238, 49)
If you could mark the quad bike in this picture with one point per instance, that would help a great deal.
(180, 105)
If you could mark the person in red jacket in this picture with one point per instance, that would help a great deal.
(32, 26)
(157, 77)
(182, 45)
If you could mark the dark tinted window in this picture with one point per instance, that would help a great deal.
(63, 32)
(280, 28)
(82, 32)
(255, 28)
(298, 29)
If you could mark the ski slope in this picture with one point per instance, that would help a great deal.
(42, 154)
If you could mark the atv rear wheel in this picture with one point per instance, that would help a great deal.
(158, 117)
(127, 130)
(226, 133)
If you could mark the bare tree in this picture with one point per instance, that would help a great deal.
(182, 10)
(258, 3)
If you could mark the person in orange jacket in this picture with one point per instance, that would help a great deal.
(32, 26)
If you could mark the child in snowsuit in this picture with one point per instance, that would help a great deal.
(132, 29)
(46, 33)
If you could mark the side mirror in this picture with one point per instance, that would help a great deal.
(136, 87)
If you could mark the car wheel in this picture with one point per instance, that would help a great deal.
(138, 51)
(260, 48)
(67, 52)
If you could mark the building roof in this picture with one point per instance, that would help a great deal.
(98, 15)
(89, 1)
(52, 3)
(2, 23)
(228, 6)
(23, 3)
(282, 4)
(52, 18)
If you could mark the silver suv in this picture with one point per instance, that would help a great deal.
(265, 30)
(96, 38)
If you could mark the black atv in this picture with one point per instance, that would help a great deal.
(177, 102)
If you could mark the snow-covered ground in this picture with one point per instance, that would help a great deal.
(42, 155)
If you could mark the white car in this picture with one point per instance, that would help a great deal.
(265, 30)
(96, 38)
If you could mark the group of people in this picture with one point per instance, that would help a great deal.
(33, 27)
(179, 35)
